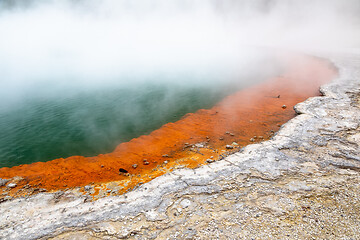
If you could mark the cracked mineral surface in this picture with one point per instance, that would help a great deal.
(304, 183)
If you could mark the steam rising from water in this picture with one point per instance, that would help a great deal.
(61, 49)
(101, 42)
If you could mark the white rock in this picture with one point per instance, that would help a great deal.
(11, 185)
(185, 203)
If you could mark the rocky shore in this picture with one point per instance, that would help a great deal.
(304, 183)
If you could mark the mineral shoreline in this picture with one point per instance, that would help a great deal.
(304, 183)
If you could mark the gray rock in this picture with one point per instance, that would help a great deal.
(3, 182)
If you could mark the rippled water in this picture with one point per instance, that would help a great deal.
(94, 121)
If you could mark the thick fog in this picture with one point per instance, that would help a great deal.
(62, 43)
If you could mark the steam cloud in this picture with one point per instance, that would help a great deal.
(62, 43)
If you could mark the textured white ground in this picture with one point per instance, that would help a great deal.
(302, 184)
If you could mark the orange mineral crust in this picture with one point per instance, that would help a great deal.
(250, 115)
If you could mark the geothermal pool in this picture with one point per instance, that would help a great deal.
(94, 92)
(249, 115)
(93, 121)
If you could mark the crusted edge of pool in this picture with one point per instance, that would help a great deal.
(323, 140)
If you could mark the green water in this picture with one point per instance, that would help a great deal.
(94, 121)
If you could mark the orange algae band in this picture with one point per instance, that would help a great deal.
(250, 115)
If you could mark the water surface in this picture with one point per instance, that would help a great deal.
(96, 120)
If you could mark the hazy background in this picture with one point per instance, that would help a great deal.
(79, 77)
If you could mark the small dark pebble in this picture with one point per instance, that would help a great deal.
(87, 199)
(121, 170)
